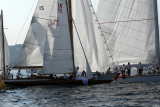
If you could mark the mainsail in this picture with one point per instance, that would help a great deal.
(129, 29)
(58, 52)
(6, 47)
(87, 28)
(33, 47)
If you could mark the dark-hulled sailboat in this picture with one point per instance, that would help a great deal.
(64, 34)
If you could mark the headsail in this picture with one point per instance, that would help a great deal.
(33, 47)
(87, 28)
(58, 53)
(129, 29)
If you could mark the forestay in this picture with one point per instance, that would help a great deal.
(85, 25)
(58, 53)
(33, 47)
(129, 29)
(7, 53)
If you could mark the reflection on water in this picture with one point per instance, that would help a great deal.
(139, 94)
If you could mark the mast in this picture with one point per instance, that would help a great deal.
(3, 55)
(69, 10)
(157, 43)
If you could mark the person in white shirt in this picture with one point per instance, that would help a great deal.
(128, 69)
(65, 76)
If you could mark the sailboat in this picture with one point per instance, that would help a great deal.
(64, 34)
(131, 30)
(4, 53)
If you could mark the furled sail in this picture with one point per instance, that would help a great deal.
(58, 52)
(33, 47)
(7, 53)
(129, 29)
(86, 27)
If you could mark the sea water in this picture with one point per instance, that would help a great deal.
(112, 94)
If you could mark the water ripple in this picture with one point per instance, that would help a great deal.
(139, 94)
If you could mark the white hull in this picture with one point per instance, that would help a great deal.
(139, 79)
(108, 76)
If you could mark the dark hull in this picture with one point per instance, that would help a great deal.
(32, 82)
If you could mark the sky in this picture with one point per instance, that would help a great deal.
(17, 17)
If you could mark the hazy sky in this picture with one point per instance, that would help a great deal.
(15, 14)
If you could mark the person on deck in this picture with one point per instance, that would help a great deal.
(83, 74)
(32, 70)
(157, 70)
(65, 76)
(149, 71)
(123, 69)
(140, 69)
(96, 75)
(108, 71)
(128, 69)
(116, 70)
(19, 74)
(7, 71)
(153, 70)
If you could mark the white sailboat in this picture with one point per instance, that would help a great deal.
(70, 37)
(4, 53)
(4, 49)
(132, 33)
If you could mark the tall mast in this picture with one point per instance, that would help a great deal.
(69, 10)
(3, 55)
(157, 43)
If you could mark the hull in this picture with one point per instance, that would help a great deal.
(141, 79)
(32, 82)
(108, 76)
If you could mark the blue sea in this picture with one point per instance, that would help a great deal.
(103, 95)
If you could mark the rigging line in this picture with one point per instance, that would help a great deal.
(128, 21)
(25, 22)
(80, 42)
(102, 34)
(22, 29)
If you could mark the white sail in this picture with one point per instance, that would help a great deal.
(7, 53)
(58, 53)
(85, 25)
(129, 29)
(33, 47)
